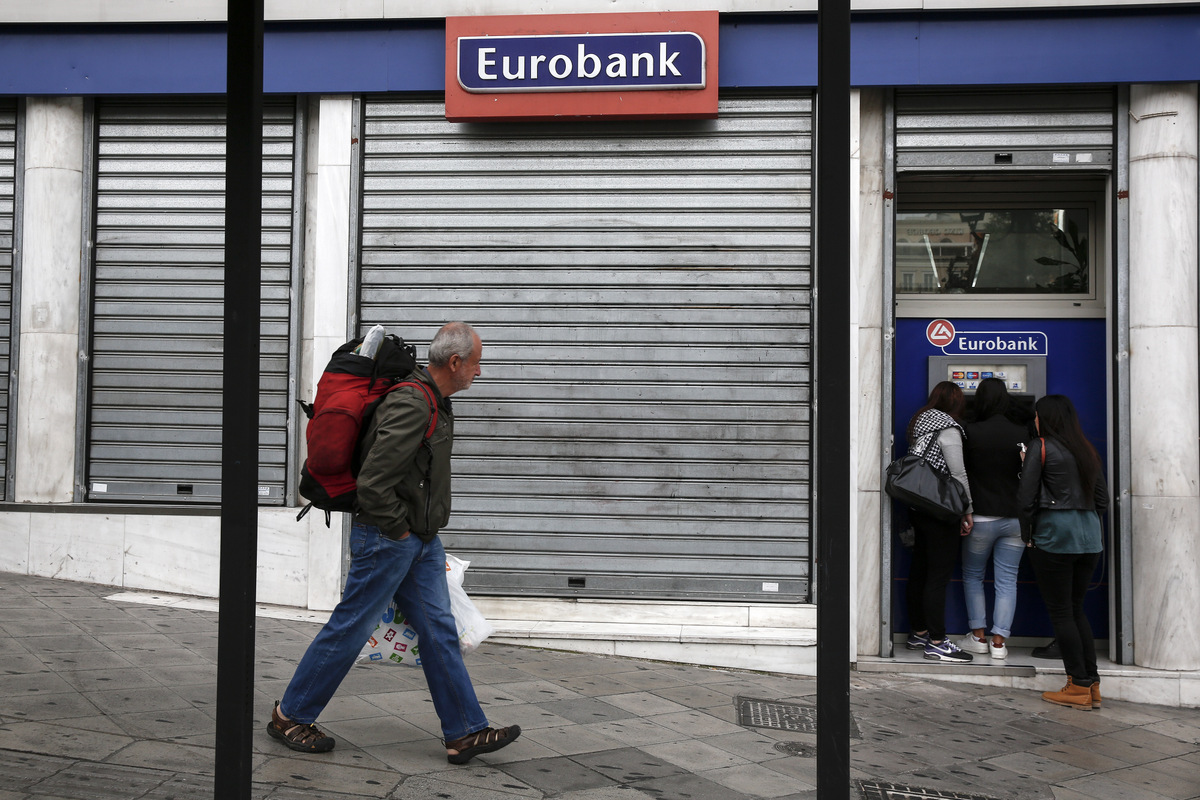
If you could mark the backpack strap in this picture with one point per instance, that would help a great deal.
(427, 393)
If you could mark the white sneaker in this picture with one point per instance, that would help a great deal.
(997, 650)
(973, 645)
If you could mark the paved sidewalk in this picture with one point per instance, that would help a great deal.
(102, 699)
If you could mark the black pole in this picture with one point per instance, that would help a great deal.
(239, 422)
(833, 276)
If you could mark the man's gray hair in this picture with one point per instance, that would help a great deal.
(455, 338)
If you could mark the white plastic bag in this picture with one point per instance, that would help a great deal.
(396, 642)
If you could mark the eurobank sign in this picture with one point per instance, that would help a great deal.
(628, 66)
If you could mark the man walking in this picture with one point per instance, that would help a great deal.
(403, 500)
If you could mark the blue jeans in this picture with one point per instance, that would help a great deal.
(1000, 541)
(414, 572)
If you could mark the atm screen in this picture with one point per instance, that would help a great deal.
(968, 376)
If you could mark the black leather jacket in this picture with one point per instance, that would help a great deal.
(1055, 484)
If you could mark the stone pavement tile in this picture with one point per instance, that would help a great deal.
(129, 701)
(756, 780)
(182, 787)
(321, 776)
(21, 770)
(924, 750)
(697, 696)
(593, 685)
(495, 674)
(607, 793)
(103, 628)
(377, 730)
(992, 781)
(585, 710)
(165, 723)
(96, 659)
(697, 674)
(51, 739)
(165, 656)
(649, 679)
(528, 716)
(981, 743)
(697, 724)
(1042, 730)
(33, 683)
(9, 645)
(1156, 779)
(491, 697)
(629, 764)
(1156, 742)
(688, 787)
(694, 756)
(555, 775)
(401, 703)
(97, 781)
(1187, 731)
(99, 680)
(169, 756)
(635, 732)
(16, 663)
(423, 787)
(1032, 765)
(1080, 757)
(750, 745)
(46, 625)
(643, 703)
(346, 706)
(539, 691)
(1063, 793)
(575, 667)
(1180, 768)
(1119, 749)
(1103, 787)
(880, 762)
(47, 707)
(571, 740)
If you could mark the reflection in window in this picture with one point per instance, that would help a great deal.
(1010, 251)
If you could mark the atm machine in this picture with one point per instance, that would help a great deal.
(1024, 376)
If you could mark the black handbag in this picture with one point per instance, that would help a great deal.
(913, 480)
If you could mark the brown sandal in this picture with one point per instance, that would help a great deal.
(304, 737)
(484, 741)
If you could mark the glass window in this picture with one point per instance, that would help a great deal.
(998, 251)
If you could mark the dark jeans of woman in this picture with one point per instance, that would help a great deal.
(1063, 579)
(934, 552)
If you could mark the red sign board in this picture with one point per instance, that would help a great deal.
(563, 66)
(940, 332)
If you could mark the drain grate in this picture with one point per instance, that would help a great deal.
(875, 790)
(755, 713)
(797, 749)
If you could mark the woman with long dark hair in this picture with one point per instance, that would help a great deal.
(993, 455)
(936, 432)
(1062, 495)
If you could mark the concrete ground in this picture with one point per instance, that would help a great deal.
(103, 699)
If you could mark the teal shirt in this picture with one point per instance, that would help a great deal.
(1067, 531)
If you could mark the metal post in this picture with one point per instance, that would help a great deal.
(239, 422)
(833, 275)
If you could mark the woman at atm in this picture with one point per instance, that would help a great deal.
(995, 441)
(1061, 497)
(936, 429)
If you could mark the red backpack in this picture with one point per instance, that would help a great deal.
(349, 391)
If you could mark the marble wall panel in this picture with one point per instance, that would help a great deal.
(324, 561)
(283, 561)
(1166, 563)
(78, 547)
(173, 554)
(45, 433)
(1162, 239)
(1165, 421)
(14, 542)
(867, 596)
(54, 133)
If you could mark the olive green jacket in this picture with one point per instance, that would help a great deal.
(392, 489)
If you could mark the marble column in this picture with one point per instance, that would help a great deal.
(51, 259)
(326, 298)
(1163, 362)
(868, 316)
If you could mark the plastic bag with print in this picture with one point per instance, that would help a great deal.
(395, 641)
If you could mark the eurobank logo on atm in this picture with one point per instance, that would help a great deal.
(555, 66)
(942, 334)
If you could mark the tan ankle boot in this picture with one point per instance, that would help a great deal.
(1071, 695)
(1095, 687)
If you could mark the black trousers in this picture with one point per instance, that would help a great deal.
(936, 547)
(1063, 579)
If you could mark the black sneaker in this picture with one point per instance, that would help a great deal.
(1047, 651)
(946, 650)
(917, 641)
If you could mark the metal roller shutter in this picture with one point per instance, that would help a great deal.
(641, 428)
(8, 178)
(978, 128)
(154, 431)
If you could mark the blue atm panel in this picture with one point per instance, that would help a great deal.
(1074, 353)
